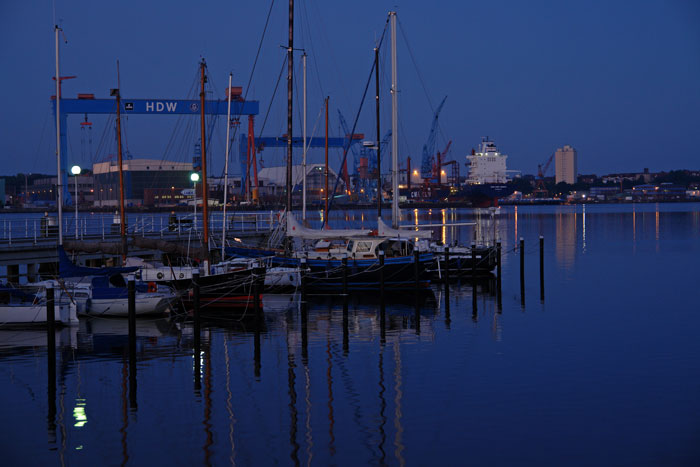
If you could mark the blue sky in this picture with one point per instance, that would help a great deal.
(617, 80)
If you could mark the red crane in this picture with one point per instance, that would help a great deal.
(437, 168)
(541, 171)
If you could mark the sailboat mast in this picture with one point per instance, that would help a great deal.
(228, 129)
(394, 129)
(205, 202)
(120, 163)
(379, 144)
(303, 160)
(59, 178)
(290, 74)
(325, 214)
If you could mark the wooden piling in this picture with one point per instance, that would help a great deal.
(416, 268)
(345, 276)
(522, 271)
(499, 276)
(541, 268)
(51, 361)
(446, 273)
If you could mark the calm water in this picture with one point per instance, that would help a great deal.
(605, 371)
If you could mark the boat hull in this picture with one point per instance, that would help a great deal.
(27, 314)
(153, 304)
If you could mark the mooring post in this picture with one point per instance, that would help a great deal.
(258, 274)
(345, 275)
(381, 276)
(474, 286)
(541, 268)
(131, 291)
(522, 271)
(196, 316)
(131, 299)
(498, 278)
(382, 302)
(256, 350)
(302, 273)
(51, 363)
(50, 317)
(446, 265)
(416, 268)
(304, 334)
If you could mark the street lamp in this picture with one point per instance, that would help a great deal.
(75, 170)
(195, 178)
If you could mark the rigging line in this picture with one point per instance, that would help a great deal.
(41, 140)
(420, 77)
(237, 116)
(311, 45)
(334, 64)
(279, 77)
(354, 125)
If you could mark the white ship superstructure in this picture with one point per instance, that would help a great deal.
(487, 165)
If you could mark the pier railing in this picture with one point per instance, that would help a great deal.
(15, 228)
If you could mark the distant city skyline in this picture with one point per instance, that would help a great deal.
(617, 83)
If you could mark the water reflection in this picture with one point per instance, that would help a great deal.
(566, 239)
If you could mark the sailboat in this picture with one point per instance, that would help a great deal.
(224, 285)
(359, 249)
(28, 305)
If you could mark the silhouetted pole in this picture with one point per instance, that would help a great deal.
(416, 268)
(131, 300)
(258, 280)
(446, 274)
(345, 276)
(51, 363)
(541, 268)
(302, 273)
(256, 350)
(522, 271)
(196, 316)
(499, 272)
(131, 291)
(304, 334)
(50, 318)
(382, 305)
(474, 290)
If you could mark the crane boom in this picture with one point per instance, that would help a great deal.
(428, 161)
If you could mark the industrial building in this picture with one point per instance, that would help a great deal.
(144, 179)
(272, 181)
(42, 191)
(565, 162)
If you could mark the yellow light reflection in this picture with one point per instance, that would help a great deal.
(444, 229)
(79, 413)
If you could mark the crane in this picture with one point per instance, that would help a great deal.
(344, 171)
(437, 168)
(428, 161)
(540, 189)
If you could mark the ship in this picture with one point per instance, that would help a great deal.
(487, 181)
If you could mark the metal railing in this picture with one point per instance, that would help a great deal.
(15, 228)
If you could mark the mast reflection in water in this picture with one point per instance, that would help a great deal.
(354, 382)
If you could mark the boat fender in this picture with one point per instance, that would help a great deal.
(152, 287)
(159, 275)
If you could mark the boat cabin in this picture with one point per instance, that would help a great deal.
(361, 248)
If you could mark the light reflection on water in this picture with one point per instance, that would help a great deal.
(497, 387)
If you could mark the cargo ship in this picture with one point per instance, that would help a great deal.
(487, 180)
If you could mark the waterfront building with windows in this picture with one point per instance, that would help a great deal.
(140, 175)
(565, 162)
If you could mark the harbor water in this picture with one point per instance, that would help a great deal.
(605, 370)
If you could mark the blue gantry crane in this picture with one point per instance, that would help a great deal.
(428, 160)
(87, 104)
